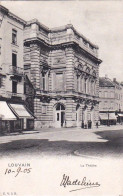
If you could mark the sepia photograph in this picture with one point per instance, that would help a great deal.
(61, 98)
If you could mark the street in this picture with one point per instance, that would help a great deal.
(102, 142)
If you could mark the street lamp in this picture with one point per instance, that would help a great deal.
(108, 119)
(108, 124)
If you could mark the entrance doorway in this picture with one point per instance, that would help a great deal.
(60, 116)
(78, 115)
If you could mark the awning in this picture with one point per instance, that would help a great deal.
(106, 116)
(5, 112)
(112, 116)
(121, 115)
(21, 111)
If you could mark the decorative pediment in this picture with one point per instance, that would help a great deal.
(94, 73)
(59, 60)
(45, 98)
(87, 70)
(44, 67)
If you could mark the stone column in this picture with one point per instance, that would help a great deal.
(69, 69)
(35, 65)
(70, 86)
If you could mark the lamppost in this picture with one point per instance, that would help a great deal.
(108, 124)
(82, 118)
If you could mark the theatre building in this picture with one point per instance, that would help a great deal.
(14, 115)
(63, 67)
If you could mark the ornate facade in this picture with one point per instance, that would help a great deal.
(63, 67)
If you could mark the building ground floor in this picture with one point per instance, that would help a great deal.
(110, 118)
(15, 117)
(65, 112)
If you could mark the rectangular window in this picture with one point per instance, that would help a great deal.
(105, 94)
(44, 109)
(0, 82)
(57, 116)
(112, 105)
(59, 81)
(112, 94)
(14, 36)
(25, 91)
(85, 85)
(14, 87)
(105, 104)
(44, 82)
(14, 60)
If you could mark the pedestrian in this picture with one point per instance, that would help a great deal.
(97, 124)
(90, 124)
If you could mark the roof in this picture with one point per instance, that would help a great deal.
(60, 28)
(45, 28)
(10, 14)
(105, 82)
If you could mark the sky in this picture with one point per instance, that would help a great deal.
(100, 21)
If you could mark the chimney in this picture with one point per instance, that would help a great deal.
(114, 79)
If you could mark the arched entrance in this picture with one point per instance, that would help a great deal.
(59, 115)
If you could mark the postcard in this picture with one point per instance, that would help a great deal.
(61, 98)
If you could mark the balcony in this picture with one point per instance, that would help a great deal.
(71, 94)
(2, 72)
(13, 70)
(68, 38)
(62, 37)
(17, 96)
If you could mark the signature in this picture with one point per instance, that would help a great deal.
(81, 184)
(18, 171)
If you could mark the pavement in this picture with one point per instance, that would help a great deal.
(97, 142)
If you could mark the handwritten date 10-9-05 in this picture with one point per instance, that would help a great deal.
(18, 171)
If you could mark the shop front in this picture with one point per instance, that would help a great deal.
(108, 119)
(25, 118)
(120, 118)
(7, 118)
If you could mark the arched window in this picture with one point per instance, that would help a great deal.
(60, 106)
(85, 85)
(77, 112)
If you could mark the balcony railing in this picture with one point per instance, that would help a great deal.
(2, 72)
(18, 95)
(16, 70)
(67, 93)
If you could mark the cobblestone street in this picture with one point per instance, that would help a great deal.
(102, 142)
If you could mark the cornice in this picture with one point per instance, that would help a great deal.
(16, 18)
(70, 26)
(62, 45)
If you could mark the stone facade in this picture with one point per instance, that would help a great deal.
(63, 67)
(11, 47)
(12, 73)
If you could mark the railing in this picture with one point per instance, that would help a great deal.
(2, 71)
(63, 38)
(16, 70)
(18, 95)
(64, 93)
(68, 38)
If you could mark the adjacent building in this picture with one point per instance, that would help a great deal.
(14, 115)
(111, 100)
(63, 67)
